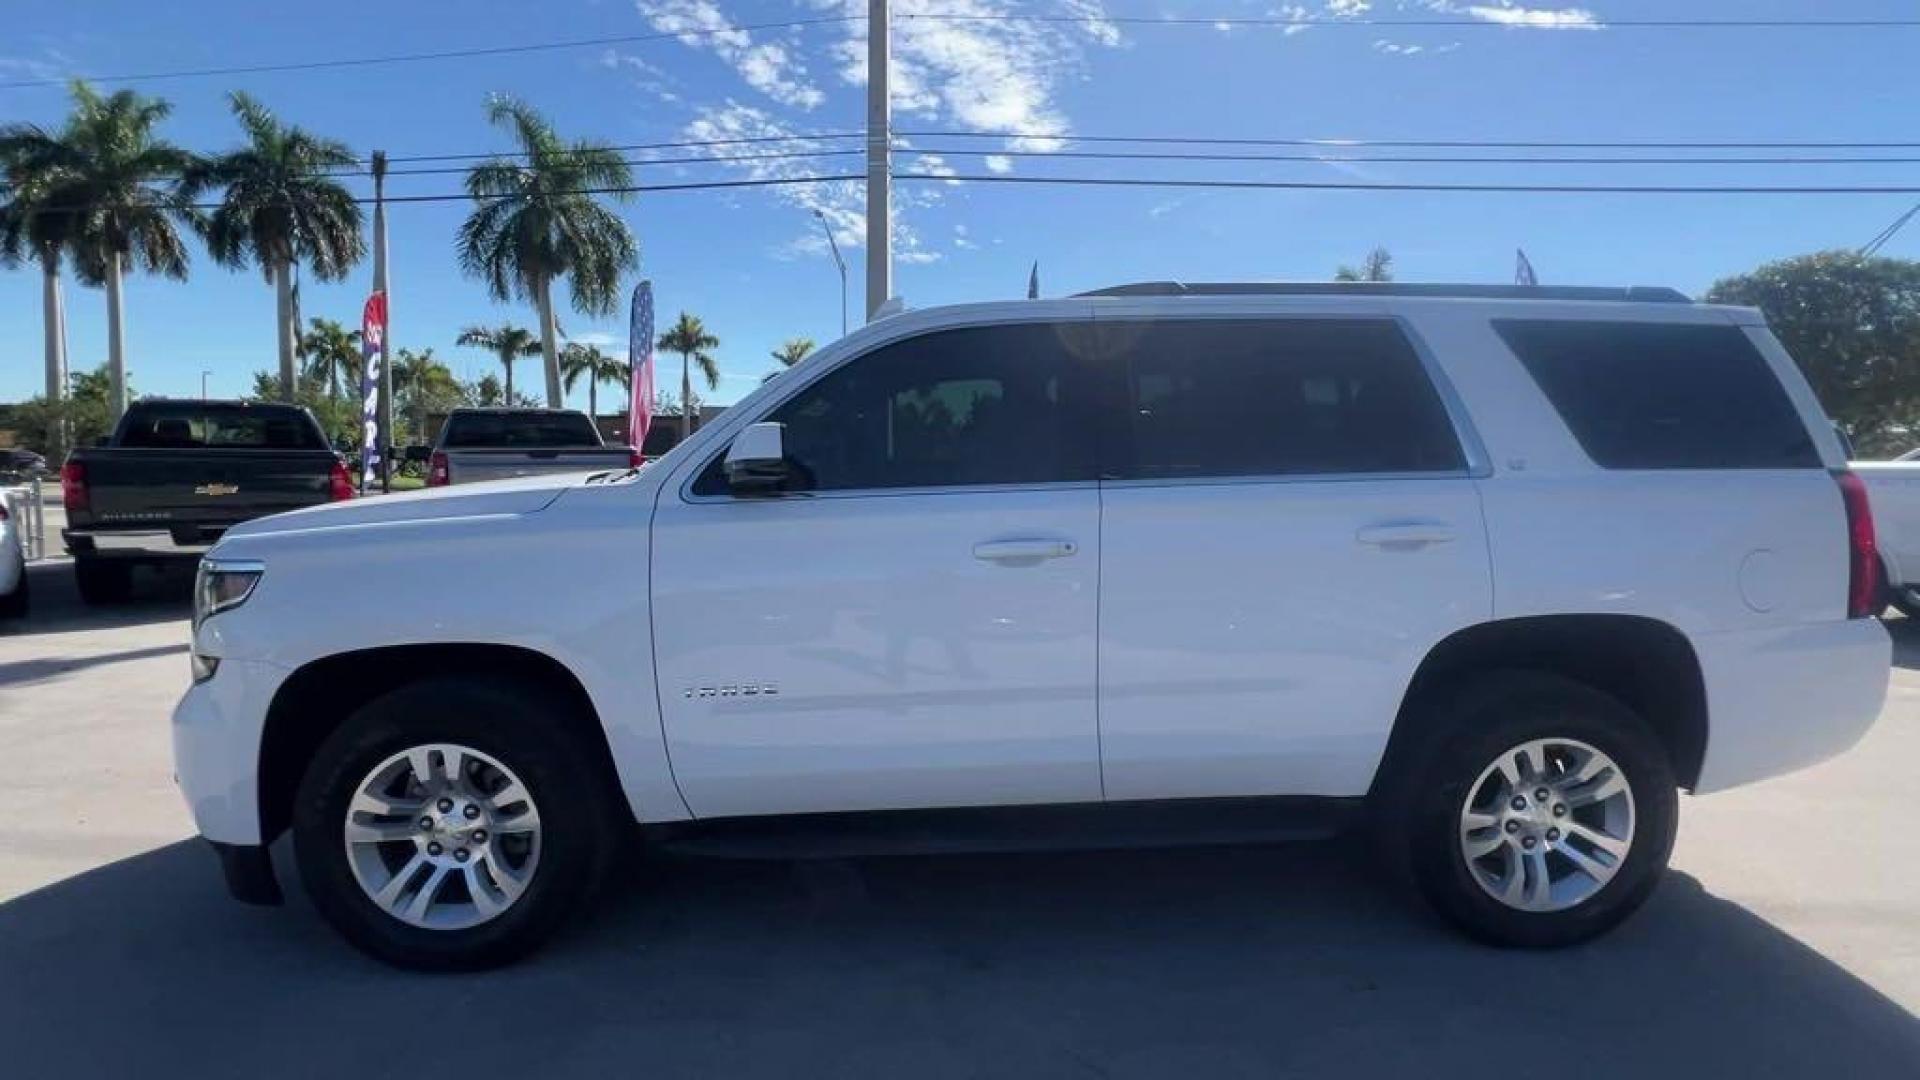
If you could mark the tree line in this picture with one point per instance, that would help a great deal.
(105, 195)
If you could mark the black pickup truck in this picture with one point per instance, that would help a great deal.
(175, 475)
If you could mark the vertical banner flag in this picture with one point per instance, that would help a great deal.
(373, 357)
(640, 364)
(1523, 269)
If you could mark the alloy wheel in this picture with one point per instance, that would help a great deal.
(1547, 825)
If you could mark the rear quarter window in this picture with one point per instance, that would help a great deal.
(1662, 395)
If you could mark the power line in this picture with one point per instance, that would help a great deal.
(1329, 23)
(624, 147)
(1873, 246)
(718, 159)
(1408, 144)
(1100, 155)
(1310, 185)
(449, 54)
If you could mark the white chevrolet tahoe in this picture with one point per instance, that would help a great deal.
(1493, 572)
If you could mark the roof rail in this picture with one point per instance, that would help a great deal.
(1641, 294)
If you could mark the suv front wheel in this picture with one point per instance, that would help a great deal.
(1541, 813)
(452, 824)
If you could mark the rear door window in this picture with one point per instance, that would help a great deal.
(1663, 395)
(1278, 397)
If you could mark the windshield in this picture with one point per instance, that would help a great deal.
(530, 429)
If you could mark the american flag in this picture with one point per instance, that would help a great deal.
(640, 360)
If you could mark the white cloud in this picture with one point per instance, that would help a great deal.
(51, 64)
(648, 78)
(1510, 13)
(999, 164)
(770, 67)
(961, 240)
(840, 203)
(1348, 9)
(1159, 210)
(1394, 48)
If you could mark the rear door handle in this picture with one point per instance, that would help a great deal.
(1023, 550)
(1406, 534)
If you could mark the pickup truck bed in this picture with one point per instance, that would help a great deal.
(477, 445)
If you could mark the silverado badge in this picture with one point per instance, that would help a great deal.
(217, 489)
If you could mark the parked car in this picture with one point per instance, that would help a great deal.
(14, 598)
(1499, 571)
(176, 475)
(1894, 489)
(497, 444)
(18, 464)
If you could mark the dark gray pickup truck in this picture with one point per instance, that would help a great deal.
(175, 475)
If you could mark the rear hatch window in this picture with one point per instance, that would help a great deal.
(534, 431)
(1663, 395)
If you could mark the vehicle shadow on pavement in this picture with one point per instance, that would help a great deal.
(1226, 962)
(1905, 633)
(159, 596)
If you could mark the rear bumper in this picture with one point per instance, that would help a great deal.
(1781, 700)
(138, 544)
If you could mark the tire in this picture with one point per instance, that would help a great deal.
(16, 604)
(1462, 735)
(509, 726)
(103, 581)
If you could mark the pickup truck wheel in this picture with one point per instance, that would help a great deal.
(1543, 814)
(103, 581)
(451, 825)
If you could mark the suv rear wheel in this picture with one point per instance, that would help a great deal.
(452, 824)
(1540, 811)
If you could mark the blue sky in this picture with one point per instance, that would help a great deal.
(753, 265)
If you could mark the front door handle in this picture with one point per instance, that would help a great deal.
(1405, 535)
(1015, 551)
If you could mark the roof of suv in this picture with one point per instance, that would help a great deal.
(1631, 294)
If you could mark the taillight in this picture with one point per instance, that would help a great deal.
(73, 486)
(437, 469)
(340, 482)
(1863, 557)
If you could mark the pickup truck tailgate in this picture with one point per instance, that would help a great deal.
(476, 465)
(203, 488)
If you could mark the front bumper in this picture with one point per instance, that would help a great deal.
(1783, 699)
(216, 749)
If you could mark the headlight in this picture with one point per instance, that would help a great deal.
(223, 584)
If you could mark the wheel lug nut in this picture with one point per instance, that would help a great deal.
(1527, 842)
(1540, 794)
(445, 805)
(433, 849)
(1559, 809)
(1513, 826)
(479, 836)
(426, 824)
(471, 811)
(460, 855)
(1519, 803)
(1553, 836)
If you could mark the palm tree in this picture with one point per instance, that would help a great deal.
(508, 343)
(535, 220)
(32, 228)
(588, 361)
(332, 353)
(281, 207)
(792, 351)
(417, 376)
(690, 339)
(125, 192)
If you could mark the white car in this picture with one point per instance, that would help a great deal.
(13, 566)
(1502, 570)
(1893, 487)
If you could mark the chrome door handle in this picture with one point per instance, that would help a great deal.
(1023, 550)
(1409, 534)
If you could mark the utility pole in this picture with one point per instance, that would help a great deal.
(203, 384)
(386, 340)
(879, 159)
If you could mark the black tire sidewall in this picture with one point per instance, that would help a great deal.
(517, 726)
(1484, 720)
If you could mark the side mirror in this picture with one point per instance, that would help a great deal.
(757, 461)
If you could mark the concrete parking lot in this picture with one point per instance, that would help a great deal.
(1786, 942)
